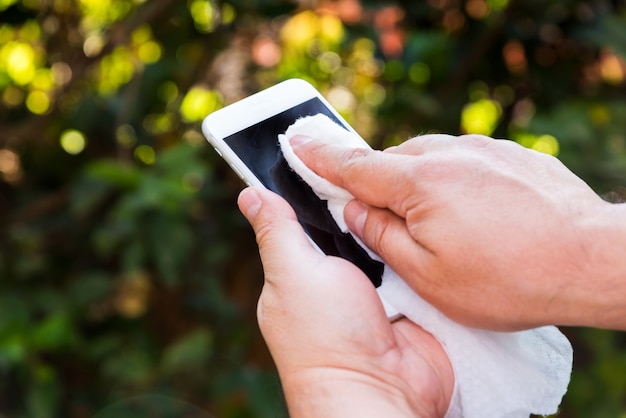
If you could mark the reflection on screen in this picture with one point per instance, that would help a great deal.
(257, 146)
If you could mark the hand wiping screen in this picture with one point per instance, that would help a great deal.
(497, 374)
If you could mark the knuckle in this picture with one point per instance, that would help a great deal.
(476, 140)
(353, 160)
(377, 231)
(263, 233)
(354, 156)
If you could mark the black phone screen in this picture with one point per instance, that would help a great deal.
(257, 146)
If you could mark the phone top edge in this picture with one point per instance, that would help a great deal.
(258, 106)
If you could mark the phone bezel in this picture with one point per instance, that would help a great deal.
(254, 109)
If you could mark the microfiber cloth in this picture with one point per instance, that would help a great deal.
(497, 374)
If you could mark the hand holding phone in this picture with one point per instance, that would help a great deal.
(246, 133)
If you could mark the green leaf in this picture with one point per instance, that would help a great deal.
(42, 399)
(151, 406)
(191, 352)
(87, 194)
(130, 365)
(53, 333)
(89, 288)
(169, 241)
(112, 172)
(608, 33)
(13, 348)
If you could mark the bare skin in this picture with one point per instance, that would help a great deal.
(495, 235)
(336, 352)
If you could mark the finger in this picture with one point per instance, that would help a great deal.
(293, 267)
(373, 177)
(326, 296)
(285, 251)
(280, 237)
(387, 235)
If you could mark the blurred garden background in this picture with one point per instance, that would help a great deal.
(128, 279)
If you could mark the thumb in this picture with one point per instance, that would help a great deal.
(280, 237)
(387, 235)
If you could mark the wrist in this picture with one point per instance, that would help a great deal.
(599, 291)
(611, 273)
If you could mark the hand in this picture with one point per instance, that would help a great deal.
(336, 352)
(495, 235)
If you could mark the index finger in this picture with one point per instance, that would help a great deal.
(385, 180)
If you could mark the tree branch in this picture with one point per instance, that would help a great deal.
(475, 55)
(118, 34)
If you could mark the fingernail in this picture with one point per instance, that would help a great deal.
(299, 140)
(356, 215)
(250, 203)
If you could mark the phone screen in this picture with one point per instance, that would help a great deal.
(257, 146)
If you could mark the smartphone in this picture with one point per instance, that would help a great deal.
(245, 134)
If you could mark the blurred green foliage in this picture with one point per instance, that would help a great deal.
(128, 280)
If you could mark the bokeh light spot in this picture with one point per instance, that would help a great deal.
(265, 52)
(142, 34)
(394, 70)
(547, 144)
(480, 117)
(168, 92)
(145, 154)
(419, 73)
(5, 4)
(198, 103)
(477, 9)
(133, 295)
(43, 80)
(73, 141)
(453, 20)
(329, 62)
(497, 4)
(125, 135)
(13, 96)
(93, 45)
(100, 13)
(18, 59)
(515, 57)
(116, 70)
(10, 166)
(612, 68)
(159, 123)
(341, 99)
(331, 28)
(300, 29)
(228, 13)
(149, 52)
(374, 94)
(38, 102)
(62, 73)
(203, 14)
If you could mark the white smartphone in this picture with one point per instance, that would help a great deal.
(245, 134)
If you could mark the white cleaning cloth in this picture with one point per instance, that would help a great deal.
(497, 374)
